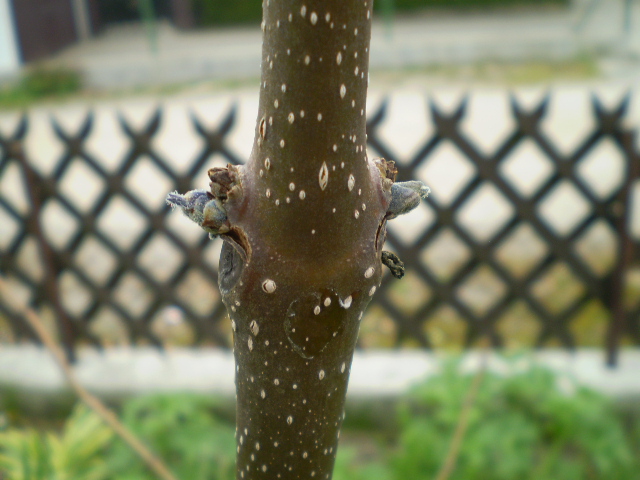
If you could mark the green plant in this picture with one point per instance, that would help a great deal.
(521, 427)
(74, 454)
(40, 83)
(184, 431)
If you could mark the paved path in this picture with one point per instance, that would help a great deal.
(121, 56)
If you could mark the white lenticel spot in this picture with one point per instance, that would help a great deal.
(323, 176)
(254, 327)
(264, 468)
(346, 303)
(250, 344)
(342, 165)
(314, 18)
(364, 207)
(339, 58)
(292, 186)
(355, 32)
(301, 113)
(289, 419)
(356, 71)
(268, 193)
(321, 374)
(351, 182)
(291, 117)
(267, 163)
(275, 103)
(369, 272)
(276, 382)
(372, 291)
(307, 59)
(327, 302)
(282, 143)
(356, 214)
(263, 394)
(316, 310)
(269, 286)
(233, 325)
(302, 194)
(284, 87)
(343, 90)
(342, 367)
(327, 17)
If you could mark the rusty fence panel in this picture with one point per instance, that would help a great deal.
(525, 269)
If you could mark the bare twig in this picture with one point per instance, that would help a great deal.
(153, 462)
(449, 464)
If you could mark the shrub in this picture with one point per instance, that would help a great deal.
(520, 427)
(77, 453)
(183, 431)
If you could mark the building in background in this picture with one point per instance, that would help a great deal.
(32, 30)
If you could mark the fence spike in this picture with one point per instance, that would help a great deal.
(57, 128)
(461, 111)
(228, 121)
(623, 106)
(22, 127)
(87, 125)
(541, 110)
(124, 124)
(197, 124)
(598, 108)
(379, 116)
(154, 123)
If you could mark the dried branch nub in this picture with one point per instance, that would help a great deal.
(405, 196)
(208, 209)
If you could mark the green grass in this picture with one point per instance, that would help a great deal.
(40, 85)
(531, 426)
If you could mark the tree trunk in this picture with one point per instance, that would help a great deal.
(310, 209)
(303, 223)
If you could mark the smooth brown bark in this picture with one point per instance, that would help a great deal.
(302, 260)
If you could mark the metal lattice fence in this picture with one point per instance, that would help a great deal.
(510, 249)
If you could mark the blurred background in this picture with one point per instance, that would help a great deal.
(521, 116)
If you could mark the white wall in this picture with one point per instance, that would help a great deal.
(9, 56)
